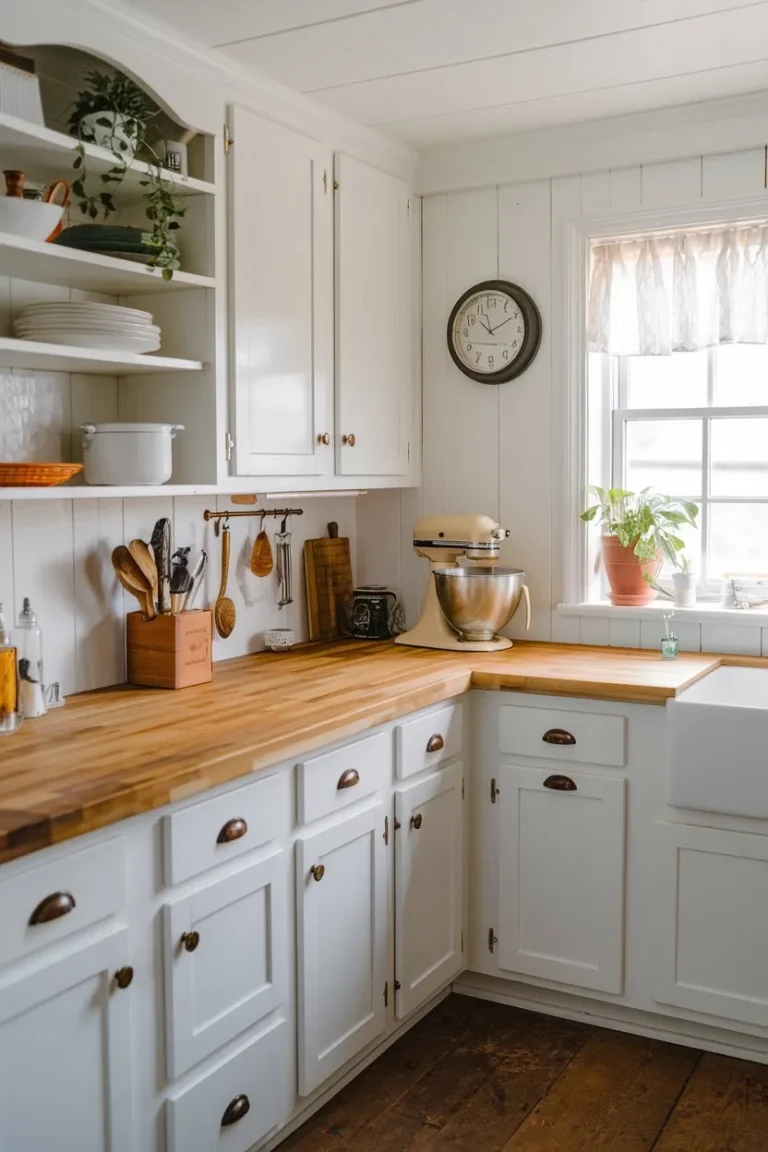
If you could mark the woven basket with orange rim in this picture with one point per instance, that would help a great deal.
(36, 475)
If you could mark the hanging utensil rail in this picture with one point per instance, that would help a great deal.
(281, 512)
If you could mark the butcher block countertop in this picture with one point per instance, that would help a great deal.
(122, 751)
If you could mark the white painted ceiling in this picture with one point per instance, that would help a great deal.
(440, 71)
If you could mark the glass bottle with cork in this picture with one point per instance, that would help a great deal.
(28, 639)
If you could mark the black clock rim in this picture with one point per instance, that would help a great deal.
(531, 342)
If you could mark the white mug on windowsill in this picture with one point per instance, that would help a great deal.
(685, 589)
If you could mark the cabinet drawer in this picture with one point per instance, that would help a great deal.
(69, 892)
(424, 742)
(224, 827)
(237, 1103)
(573, 737)
(330, 783)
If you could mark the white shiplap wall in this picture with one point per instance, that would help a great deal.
(58, 552)
(492, 450)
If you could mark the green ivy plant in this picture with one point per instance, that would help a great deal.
(116, 93)
(646, 522)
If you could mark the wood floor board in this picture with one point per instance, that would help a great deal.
(724, 1109)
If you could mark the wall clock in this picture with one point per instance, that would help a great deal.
(494, 331)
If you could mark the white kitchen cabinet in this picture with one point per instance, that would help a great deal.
(226, 957)
(561, 876)
(712, 938)
(428, 887)
(281, 255)
(342, 941)
(373, 321)
(65, 1053)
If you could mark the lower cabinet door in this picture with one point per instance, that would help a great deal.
(712, 939)
(226, 959)
(561, 876)
(428, 887)
(65, 1054)
(236, 1103)
(342, 901)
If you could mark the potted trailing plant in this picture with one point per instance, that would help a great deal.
(639, 533)
(685, 584)
(113, 112)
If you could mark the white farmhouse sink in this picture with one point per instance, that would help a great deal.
(718, 743)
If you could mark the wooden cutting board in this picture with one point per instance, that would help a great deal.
(328, 569)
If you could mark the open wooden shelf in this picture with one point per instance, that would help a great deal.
(89, 271)
(47, 155)
(94, 361)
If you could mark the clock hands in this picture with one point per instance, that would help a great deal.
(487, 327)
(492, 330)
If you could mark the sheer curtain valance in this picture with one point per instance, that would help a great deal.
(655, 295)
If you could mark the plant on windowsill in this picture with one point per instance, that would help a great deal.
(639, 534)
(113, 112)
(685, 584)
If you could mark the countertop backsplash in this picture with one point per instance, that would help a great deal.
(58, 552)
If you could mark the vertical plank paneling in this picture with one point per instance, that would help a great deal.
(689, 635)
(98, 606)
(626, 188)
(733, 174)
(7, 598)
(744, 639)
(623, 632)
(435, 355)
(594, 630)
(672, 183)
(595, 193)
(413, 570)
(525, 494)
(43, 570)
(565, 629)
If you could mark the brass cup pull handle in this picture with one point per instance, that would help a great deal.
(189, 940)
(417, 821)
(124, 976)
(318, 871)
(235, 1110)
(558, 736)
(323, 438)
(232, 830)
(349, 440)
(560, 783)
(53, 907)
(435, 743)
(348, 779)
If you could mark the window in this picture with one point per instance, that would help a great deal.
(691, 424)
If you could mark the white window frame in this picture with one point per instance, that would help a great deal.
(572, 237)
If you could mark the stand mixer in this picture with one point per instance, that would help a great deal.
(468, 598)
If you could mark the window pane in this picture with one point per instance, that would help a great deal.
(692, 550)
(739, 454)
(676, 381)
(741, 375)
(738, 536)
(664, 455)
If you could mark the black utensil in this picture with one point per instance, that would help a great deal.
(161, 546)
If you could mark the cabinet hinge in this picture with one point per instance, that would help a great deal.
(409, 209)
(462, 941)
(228, 140)
(409, 451)
(336, 185)
(491, 939)
(398, 985)
(462, 787)
(397, 825)
(228, 445)
(386, 995)
(325, 181)
(386, 830)
(494, 790)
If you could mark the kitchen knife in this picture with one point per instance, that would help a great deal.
(161, 546)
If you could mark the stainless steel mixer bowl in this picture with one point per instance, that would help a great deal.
(479, 602)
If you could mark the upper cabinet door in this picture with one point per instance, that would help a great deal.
(373, 321)
(281, 259)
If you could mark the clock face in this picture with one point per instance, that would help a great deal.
(494, 331)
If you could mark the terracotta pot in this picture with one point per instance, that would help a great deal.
(626, 573)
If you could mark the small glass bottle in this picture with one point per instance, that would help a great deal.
(10, 714)
(29, 650)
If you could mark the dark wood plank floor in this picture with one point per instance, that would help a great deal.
(479, 1077)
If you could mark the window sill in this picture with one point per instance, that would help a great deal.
(704, 612)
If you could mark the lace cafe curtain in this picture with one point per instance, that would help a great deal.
(654, 295)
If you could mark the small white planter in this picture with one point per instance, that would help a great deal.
(112, 135)
(685, 589)
(128, 454)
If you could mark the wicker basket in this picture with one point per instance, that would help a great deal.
(36, 475)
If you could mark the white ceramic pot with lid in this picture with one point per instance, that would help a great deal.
(125, 454)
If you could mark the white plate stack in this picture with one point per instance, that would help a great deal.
(83, 325)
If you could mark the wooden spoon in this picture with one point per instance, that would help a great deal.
(133, 580)
(146, 562)
(224, 610)
(261, 554)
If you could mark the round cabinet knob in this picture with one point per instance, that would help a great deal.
(417, 821)
(124, 976)
(349, 440)
(318, 871)
(190, 940)
(323, 438)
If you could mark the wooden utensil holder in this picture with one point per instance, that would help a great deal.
(170, 651)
